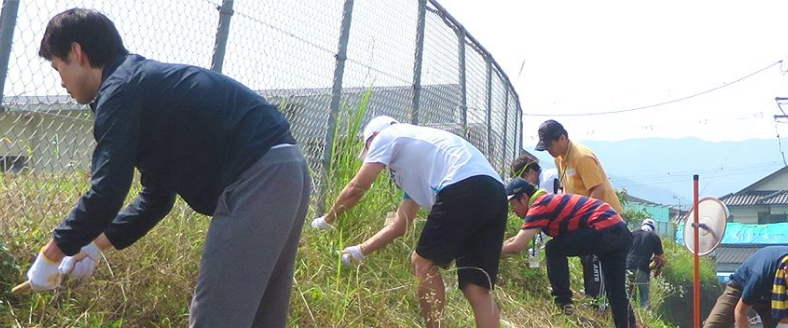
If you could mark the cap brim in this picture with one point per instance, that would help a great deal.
(509, 197)
(541, 145)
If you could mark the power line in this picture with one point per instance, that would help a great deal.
(689, 173)
(735, 146)
(658, 104)
(680, 176)
(689, 178)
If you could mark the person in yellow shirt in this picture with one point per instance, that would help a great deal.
(581, 173)
(579, 170)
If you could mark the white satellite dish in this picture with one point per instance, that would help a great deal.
(712, 218)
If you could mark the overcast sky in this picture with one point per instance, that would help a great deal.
(586, 57)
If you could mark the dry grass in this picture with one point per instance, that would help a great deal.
(150, 284)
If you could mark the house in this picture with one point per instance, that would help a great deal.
(758, 218)
(661, 214)
(763, 202)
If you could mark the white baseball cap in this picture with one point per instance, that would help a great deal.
(375, 125)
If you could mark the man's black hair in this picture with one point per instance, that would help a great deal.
(522, 164)
(92, 30)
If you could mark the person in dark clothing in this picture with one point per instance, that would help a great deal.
(579, 225)
(646, 246)
(758, 284)
(189, 132)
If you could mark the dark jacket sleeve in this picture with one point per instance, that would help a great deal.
(139, 217)
(657, 245)
(116, 130)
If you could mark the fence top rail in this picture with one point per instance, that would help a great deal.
(477, 45)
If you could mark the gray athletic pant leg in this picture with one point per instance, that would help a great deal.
(246, 271)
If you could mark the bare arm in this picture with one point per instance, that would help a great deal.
(406, 213)
(597, 191)
(103, 242)
(740, 314)
(53, 252)
(354, 190)
(517, 243)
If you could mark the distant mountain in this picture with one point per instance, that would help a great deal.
(660, 170)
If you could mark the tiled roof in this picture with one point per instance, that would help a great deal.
(779, 198)
(735, 253)
(756, 197)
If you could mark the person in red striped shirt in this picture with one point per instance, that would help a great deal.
(578, 225)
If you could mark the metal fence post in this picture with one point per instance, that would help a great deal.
(519, 127)
(336, 97)
(505, 126)
(418, 57)
(463, 85)
(222, 33)
(489, 104)
(7, 26)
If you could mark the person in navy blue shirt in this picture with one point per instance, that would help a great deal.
(189, 132)
(750, 287)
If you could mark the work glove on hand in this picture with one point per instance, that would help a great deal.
(81, 264)
(321, 224)
(44, 274)
(352, 254)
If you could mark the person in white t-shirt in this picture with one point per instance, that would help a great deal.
(527, 167)
(466, 198)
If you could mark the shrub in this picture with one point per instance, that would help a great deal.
(674, 290)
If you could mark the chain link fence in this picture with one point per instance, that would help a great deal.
(314, 59)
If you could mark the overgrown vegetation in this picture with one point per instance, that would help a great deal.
(150, 284)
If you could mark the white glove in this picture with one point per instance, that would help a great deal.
(43, 274)
(352, 254)
(82, 264)
(321, 224)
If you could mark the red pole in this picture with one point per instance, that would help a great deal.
(696, 289)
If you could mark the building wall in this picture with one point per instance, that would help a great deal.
(779, 182)
(779, 209)
(746, 214)
(660, 214)
(58, 137)
(657, 212)
(59, 141)
(727, 267)
(15, 134)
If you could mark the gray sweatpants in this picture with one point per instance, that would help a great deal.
(246, 270)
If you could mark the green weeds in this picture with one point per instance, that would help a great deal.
(150, 284)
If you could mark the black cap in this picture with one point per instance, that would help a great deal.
(519, 186)
(549, 130)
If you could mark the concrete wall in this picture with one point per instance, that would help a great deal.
(747, 214)
(779, 209)
(50, 141)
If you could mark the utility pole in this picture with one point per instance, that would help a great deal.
(781, 101)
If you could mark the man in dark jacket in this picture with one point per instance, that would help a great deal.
(646, 247)
(189, 132)
(758, 284)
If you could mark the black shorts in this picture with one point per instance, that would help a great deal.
(467, 225)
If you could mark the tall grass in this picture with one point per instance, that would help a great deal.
(150, 284)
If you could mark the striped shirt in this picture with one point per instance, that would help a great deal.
(557, 214)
